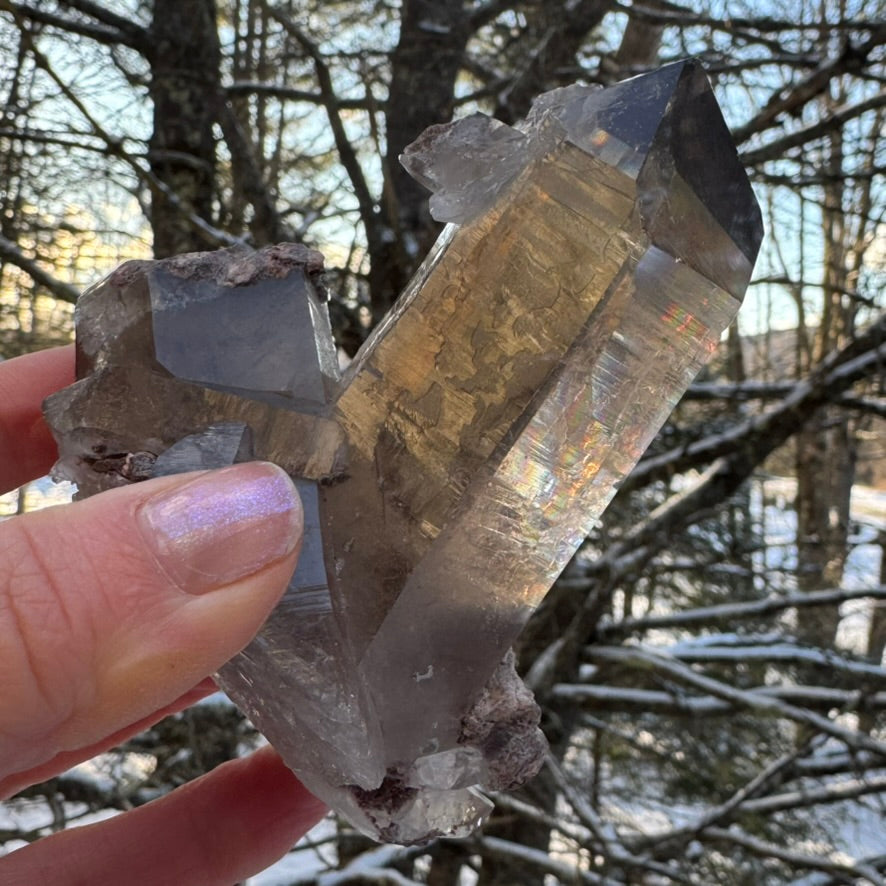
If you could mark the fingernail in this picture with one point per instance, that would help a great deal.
(223, 525)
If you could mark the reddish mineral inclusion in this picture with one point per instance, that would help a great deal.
(596, 256)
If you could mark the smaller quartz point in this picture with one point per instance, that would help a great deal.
(222, 444)
(466, 164)
(129, 418)
(600, 250)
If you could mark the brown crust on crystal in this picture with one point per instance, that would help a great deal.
(236, 266)
(503, 724)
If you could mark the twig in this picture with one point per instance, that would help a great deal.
(757, 436)
(776, 148)
(536, 859)
(612, 850)
(771, 774)
(728, 612)
(619, 698)
(646, 659)
(765, 849)
(10, 252)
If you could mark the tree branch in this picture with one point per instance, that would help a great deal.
(100, 12)
(791, 100)
(535, 859)
(833, 792)
(115, 148)
(288, 93)
(729, 612)
(605, 836)
(750, 441)
(743, 392)
(37, 137)
(672, 14)
(10, 252)
(795, 859)
(267, 226)
(630, 699)
(765, 703)
(370, 867)
(346, 152)
(100, 33)
(782, 650)
(835, 119)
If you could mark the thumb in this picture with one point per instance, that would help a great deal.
(113, 607)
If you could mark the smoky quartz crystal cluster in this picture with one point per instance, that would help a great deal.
(594, 258)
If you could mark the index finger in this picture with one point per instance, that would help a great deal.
(27, 449)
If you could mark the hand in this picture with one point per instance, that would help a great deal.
(113, 611)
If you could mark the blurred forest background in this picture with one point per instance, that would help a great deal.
(710, 665)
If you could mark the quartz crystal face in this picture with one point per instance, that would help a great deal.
(600, 250)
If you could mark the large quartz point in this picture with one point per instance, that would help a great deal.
(448, 477)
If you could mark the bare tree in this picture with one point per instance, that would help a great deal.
(700, 695)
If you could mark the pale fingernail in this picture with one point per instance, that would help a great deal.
(223, 525)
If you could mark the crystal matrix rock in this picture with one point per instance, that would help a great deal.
(477, 436)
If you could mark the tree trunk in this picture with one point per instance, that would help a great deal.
(876, 641)
(825, 472)
(877, 628)
(825, 453)
(420, 95)
(254, 181)
(558, 37)
(184, 56)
